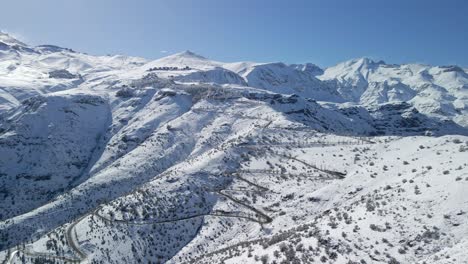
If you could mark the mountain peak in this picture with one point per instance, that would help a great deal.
(361, 63)
(10, 40)
(189, 54)
(183, 59)
(308, 67)
(52, 48)
(369, 61)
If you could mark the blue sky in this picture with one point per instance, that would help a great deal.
(294, 31)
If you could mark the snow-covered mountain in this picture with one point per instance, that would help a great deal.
(434, 90)
(117, 159)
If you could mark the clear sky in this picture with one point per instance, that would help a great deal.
(294, 31)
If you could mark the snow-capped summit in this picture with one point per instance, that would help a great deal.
(364, 61)
(183, 59)
(10, 40)
(190, 54)
(351, 67)
(52, 48)
(185, 55)
(309, 68)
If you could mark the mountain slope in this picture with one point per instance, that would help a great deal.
(116, 159)
(48, 139)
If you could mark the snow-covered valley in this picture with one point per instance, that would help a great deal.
(118, 159)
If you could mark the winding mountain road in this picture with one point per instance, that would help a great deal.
(70, 241)
(69, 233)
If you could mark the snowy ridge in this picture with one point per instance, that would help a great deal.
(433, 90)
(116, 159)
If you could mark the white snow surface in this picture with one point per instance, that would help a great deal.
(117, 159)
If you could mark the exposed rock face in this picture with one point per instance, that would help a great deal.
(62, 74)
